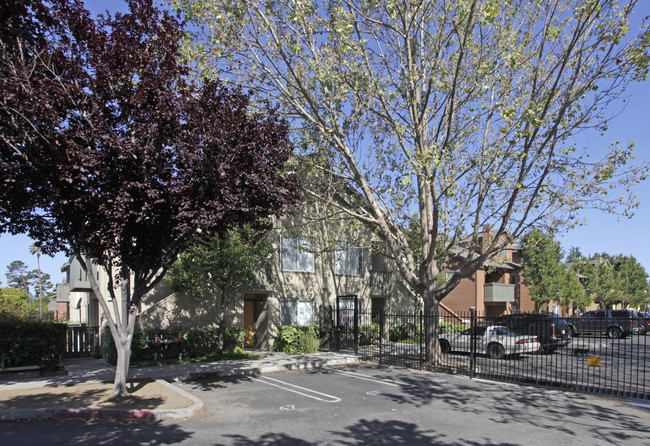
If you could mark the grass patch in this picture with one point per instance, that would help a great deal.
(210, 357)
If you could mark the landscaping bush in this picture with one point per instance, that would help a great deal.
(197, 342)
(27, 342)
(295, 338)
(406, 332)
(368, 333)
(448, 327)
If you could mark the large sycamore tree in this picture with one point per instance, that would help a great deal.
(111, 153)
(460, 112)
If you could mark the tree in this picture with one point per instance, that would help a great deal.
(217, 267)
(605, 285)
(572, 293)
(574, 256)
(634, 280)
(18, 276)
(109, 152)
(35, 249)
(462, 112)
(15, 302)
(543, 270)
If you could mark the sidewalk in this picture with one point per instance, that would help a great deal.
(82, 392)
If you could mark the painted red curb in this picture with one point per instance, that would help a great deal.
(91, 414)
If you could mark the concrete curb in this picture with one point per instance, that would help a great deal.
(91, 414)
(171, 414)
(177, 414)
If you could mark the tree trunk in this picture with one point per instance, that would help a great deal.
(123, 347)
(431, 342)
(221, 317)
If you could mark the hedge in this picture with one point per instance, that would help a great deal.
(29, 342)
(196, 342)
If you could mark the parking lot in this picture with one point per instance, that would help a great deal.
(596, 364)
(367, 404)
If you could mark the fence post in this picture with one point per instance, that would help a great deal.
(421, 360)
(381, 333)
(356, 326)
(472, 350)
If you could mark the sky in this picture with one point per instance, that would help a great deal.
(602, 232)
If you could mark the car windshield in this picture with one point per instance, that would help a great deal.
(501, 331)
(475, 331)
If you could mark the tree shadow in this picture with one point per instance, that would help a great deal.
(517, 404)
(83, 396)
(82, 433)
(208, 383)
(270, 439)
(395, 433)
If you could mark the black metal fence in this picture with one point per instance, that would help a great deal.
(569, 353)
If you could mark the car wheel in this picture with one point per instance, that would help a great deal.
(573, 332)
(642, 330)
(614, 333)
(495, 351)
(444, 346)
(549, 350)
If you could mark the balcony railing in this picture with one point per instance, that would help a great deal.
(381, 283)
(499, 292)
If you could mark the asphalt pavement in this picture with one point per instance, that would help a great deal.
(80, 373)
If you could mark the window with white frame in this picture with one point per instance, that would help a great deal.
(296, 312)
(296, 255)
(349, 262)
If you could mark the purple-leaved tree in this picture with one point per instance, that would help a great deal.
(110, 153)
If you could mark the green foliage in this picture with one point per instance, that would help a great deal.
(369, 333)
(449, 327)
(605, 285)
(18, 276)
(296, 338)
(406, 332)
(216, 267)
(15, 301)
(30, 342)
(197, 343)
(224, 263)
(237, 353)
(543, 271)
(414, 333)
(308, 342)
(633, 280)
(572, 292)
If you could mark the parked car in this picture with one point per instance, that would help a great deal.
(552, 331)
(494, 341)
(644, 322)
(614, 324)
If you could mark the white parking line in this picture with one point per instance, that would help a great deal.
(306, 392)
(387, 382)
(645, 406)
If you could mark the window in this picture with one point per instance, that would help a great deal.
(449, 275)
(349, 262)
(296, 312)
(296, 255)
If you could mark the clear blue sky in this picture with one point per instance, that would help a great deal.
(602, 233)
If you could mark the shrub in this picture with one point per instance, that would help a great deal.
(308, 342)
(198, 342)
(294, 338)
(448, 327)
(368, 333)
(25, 342)
(406, 332)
